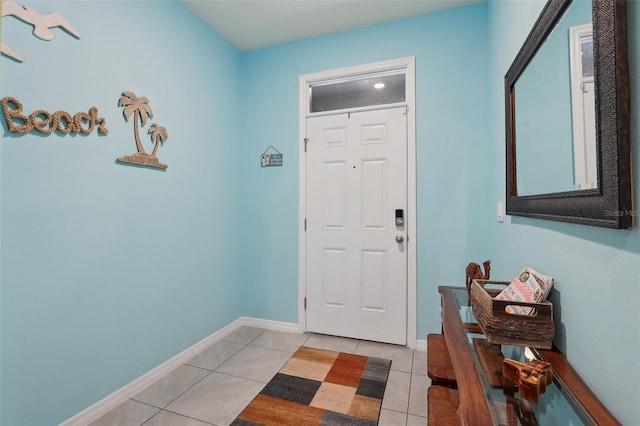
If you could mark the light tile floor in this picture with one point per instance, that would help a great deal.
(213, 387)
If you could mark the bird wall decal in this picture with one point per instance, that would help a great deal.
(41, 23)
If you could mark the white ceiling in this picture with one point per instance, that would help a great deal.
(255, 24)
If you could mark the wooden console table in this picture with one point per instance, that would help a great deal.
(568, 399)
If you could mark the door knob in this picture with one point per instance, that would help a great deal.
(399, 239)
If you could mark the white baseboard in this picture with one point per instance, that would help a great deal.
(289, 327)
(110, 402)
(421, 345)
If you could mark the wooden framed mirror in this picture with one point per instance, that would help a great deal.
(567, 117)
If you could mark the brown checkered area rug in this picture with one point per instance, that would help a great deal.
(323, 388)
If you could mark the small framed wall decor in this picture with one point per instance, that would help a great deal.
(271, 157)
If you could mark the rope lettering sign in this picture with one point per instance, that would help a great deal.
(47, 123)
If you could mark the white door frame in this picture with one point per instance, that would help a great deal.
(581, 149)
(305, 81)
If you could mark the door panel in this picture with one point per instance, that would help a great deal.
(334, 278)
(334, 193)
(374, 282)
(356, 271)
(374, 194)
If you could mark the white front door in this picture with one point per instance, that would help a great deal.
(356, 268)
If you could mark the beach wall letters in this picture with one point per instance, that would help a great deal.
(47, 123)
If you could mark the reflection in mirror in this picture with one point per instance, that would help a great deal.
(555, 110)
(583, 105)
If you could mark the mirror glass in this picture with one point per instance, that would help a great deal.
(555, 110)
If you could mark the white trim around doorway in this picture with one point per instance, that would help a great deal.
(408, 64)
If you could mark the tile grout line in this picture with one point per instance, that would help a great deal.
(169, 403)
(410, 384)
(205, 376)
(189, 417)
(192, 386)
(409, 393)
(240, 377)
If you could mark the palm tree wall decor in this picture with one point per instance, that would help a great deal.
(159, 136)
(139, 108)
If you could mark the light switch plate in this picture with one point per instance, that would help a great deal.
(500, 211)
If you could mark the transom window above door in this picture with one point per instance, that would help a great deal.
(388, 87)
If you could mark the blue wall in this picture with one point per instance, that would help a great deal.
(597, 271)
(110, 270)
(451, 65)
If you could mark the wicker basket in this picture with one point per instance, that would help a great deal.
(501, 327)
